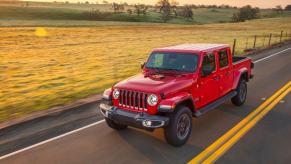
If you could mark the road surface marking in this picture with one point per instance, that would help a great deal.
(271, 55)
(218, 143)
(218, 153)
(51, 139)
(93, 124)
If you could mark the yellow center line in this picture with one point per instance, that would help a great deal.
(214, 146)
(218, 153)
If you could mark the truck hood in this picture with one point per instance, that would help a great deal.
(157, 83)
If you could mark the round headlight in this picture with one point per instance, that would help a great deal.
(116, 93)
(152, 100)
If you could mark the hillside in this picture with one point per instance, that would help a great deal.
(33, 13)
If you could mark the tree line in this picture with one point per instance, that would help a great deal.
(171, 9)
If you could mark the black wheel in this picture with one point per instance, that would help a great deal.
(180, 126)
(241, 96)
(115, 125)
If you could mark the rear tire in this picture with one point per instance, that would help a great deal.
(241, 89)
(115, 125)
(179, 129)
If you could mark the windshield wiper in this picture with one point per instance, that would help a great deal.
(161, 71)
(171, 69)
(175, 71)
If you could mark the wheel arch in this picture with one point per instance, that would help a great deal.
(188, 103)
(242, 74)
(171, 104)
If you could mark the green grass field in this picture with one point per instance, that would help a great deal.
(44, 67)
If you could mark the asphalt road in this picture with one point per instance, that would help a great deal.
(267, 142)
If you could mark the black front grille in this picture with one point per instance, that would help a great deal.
(133, 100)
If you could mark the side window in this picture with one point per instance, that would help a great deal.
(223, 59)
(208, 62)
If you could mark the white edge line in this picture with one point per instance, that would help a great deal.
(93, 124)
(51, 139)
(271, 55)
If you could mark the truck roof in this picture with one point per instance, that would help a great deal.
(193, 47)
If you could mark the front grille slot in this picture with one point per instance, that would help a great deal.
(133, 100)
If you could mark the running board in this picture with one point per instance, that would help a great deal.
(215, 104)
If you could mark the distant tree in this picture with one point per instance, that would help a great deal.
(194, 6)
(105, 2)
(174, 7)
(212, 6)
(188, 12)
(117, 7)
(140, 9)
(288, 8)
(137, 9)
(202, 6)
(165, 9)
(129, 11)
(145, 9)
(278, 9)
(246, 13)
(225, 6)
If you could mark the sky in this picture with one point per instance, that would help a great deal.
(257, 3)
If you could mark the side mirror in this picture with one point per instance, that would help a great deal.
(142, 65)
(206, 71)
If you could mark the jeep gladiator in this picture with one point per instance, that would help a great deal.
(177, 83)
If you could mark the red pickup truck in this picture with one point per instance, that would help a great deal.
(176, 83)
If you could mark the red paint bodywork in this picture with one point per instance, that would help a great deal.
(200, 90)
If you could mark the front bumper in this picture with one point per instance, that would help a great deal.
(139, 120)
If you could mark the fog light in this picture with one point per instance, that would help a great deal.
(149, 123)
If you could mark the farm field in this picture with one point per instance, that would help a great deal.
(54, 66)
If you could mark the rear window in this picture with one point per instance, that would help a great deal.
(223, 59)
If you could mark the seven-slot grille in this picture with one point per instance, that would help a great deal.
(133, 100)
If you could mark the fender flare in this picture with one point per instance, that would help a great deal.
(169, 104)
(238, 77)
(107, 94)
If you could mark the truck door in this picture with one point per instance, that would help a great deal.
(209, 83)
(225, 71)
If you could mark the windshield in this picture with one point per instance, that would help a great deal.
(184, 62)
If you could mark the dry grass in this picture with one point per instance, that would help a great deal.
(70, 63)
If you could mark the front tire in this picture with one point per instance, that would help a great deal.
(115, 125)
(240, 98)
(179, 129)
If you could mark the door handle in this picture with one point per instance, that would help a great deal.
(216, 77)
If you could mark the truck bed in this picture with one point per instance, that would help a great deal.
(241, 64)
(236, 59)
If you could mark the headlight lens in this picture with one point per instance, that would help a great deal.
(116, 93)
(152, 100)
